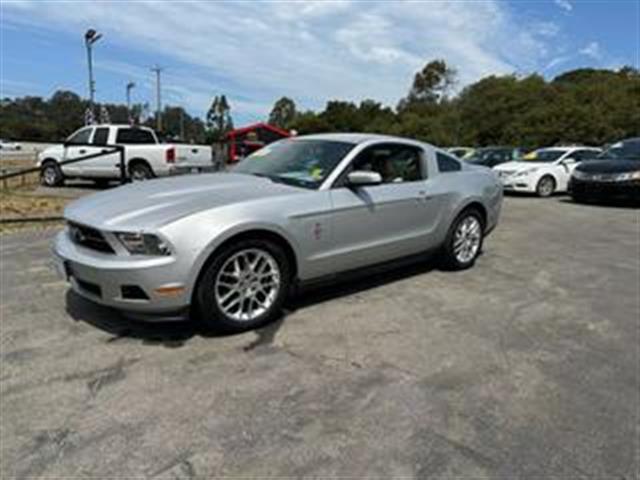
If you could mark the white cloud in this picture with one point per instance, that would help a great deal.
(312, 51)
(564, 4)
(592, 50)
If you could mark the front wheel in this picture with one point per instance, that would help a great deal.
(51, 174)
(464, 241)
(244, 287)
(546, 186)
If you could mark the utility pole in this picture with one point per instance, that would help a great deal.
(158, 70)
(130, 85)
(91, 37)
(182, 124)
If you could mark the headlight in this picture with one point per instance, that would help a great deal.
(525, 172)
(143, 243)
(623, 177)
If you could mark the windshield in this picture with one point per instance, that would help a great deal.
(622, 151)
(302, 163)
(483, 155)
(544, 155)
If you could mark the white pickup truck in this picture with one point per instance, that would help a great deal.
(145, 157)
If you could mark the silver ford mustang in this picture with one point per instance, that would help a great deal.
(232, 245)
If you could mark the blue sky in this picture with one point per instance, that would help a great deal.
(312, 51)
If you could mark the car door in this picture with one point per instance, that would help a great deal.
(372, 224)
(564, 167)
(104, 166)
(75, 147)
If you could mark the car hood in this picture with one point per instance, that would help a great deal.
(149, 205)
(516, 166)
(609, 166)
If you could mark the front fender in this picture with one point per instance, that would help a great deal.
(222, 236)
(55, 153)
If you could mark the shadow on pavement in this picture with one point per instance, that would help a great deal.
(175, 334)
(624, 203)
(168, 334)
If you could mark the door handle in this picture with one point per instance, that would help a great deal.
(82, 151)
(104, 150)
(423, 196)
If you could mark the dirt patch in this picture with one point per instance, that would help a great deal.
(23, 204)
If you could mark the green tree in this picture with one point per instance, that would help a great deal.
(283, 113)
(432, 84)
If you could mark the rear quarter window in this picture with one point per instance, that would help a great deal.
(446, 163)
(132, 136)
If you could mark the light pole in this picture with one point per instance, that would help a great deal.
(91, 37)
(157, 71)
(130, 85)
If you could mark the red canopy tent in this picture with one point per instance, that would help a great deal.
(243, 141)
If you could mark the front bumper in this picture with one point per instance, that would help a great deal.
(588, 188)
(517, 184)
(100, 277)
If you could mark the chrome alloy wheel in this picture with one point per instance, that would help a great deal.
(467, 238)
(248, 284)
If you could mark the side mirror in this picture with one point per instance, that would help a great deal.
(362, 178)
(568, 161)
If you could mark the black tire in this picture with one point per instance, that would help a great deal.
(102, 182)
(579, 198)
(140, 171)
(451, 259)
(51, 175)
(208, 308)
(546, 186)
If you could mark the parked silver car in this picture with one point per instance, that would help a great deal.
(231, 245)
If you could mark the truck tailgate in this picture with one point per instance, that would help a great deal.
(194, 156)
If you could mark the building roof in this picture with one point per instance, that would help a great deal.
(256, 126)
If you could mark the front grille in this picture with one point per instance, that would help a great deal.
(89, 237)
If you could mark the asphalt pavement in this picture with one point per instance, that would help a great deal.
(526, 366)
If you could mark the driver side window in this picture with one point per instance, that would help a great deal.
(80, 137)
(395, 163)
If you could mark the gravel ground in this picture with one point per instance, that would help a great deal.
(526, 366)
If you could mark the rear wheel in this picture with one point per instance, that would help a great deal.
(464, 240)
(546, 186)
(244, 287)
(140, 171)
(51, 174)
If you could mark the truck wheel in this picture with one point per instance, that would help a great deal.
(139, 172)
(244, 287)
(51, 175)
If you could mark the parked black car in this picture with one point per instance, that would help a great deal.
(492, 156)
(614, 174)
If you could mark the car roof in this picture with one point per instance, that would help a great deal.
(355, 138)
(119, 125)
(566, 149)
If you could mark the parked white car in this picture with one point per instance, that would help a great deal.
(6, 145)
(545, 171)
(145, 156)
